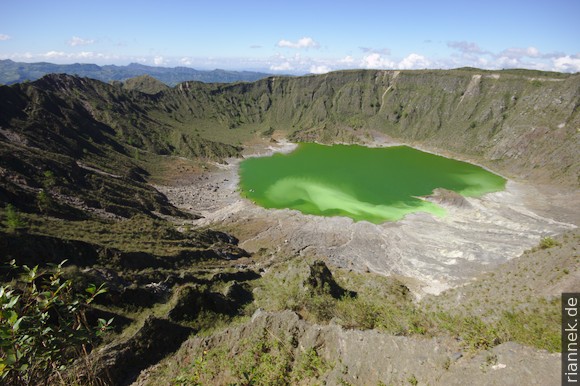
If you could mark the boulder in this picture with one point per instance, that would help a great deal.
(320, 280)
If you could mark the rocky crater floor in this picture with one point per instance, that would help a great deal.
(428, 254)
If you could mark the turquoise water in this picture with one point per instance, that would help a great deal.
(372, 184)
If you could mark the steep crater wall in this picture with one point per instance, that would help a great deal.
(523, 123)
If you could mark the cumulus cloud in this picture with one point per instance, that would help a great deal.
(506, 62)
(411, 62)
(512, 57)
(185, 61)
(76, 41)
(285, 66)
(158, 60)
(414, 61)
(84, 55)
(319, 69)
(89, 55)
(567, 64)
(300, 64)
(305, 42)
(5, 37)
(375, 60)
(54, 54)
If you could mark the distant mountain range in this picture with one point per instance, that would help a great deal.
(16, 72)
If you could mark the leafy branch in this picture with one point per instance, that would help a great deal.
(43, 326)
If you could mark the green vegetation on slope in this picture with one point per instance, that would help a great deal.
(385, 304)
(43, 325)
(96, 141)
(145, 84)
(77, 156)
(247, 352)
(523, 124)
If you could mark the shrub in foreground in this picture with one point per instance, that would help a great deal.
(43, 325)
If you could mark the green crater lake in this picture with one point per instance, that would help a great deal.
(372, 184)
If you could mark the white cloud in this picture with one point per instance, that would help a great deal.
(513, 57)
(76, 41)
(303, 62)
(305, 42)
(319, 69)
(532, 52)
(84, 55)
(347, 60)
(54, 54)
(5, 37)
(185, 61)
(414, 61)
(506, 62)
(376, 61)
(285, 66)
(517, 53)
(90, 55)
(567, 64)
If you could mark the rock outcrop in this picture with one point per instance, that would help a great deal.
(369, 357)
(320, 281)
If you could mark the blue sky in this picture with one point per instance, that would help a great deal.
(295, 37)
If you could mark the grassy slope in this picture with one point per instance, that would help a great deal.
(523, 124)
(517, 302)
(121, 137)
(96, 140)
(145, 84)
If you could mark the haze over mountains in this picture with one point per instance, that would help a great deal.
(14, 72)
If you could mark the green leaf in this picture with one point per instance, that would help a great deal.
(12, 302)
(91, 289)
(32, 273)
(5, 337)
(11, 317)
(16, 324)
(101, 291)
